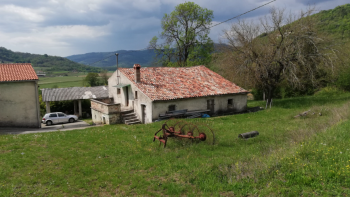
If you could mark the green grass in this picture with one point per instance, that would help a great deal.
(61, 82)
(288, 158)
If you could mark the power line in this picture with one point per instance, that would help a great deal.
(242, 14)
(208, 28)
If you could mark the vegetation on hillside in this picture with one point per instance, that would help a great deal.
(335, 22)
(127, 59)
(303, 80)
(47, 63)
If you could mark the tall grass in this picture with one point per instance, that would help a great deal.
(122, 160)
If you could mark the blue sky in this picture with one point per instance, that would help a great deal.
(68, 27)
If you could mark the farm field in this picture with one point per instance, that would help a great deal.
(308, 156)
(61, 82)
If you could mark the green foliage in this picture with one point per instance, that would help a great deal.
(329, 91)
(343, 81)
(104, 77)
(92, 79)
(186, 34)
(335, 21)
(47, 63)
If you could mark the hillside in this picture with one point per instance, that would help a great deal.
(126, 58)
(335, 22)
(44, 62)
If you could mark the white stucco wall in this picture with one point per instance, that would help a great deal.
(19, 104)
(154, 108)
(200, 103)
(133, 103)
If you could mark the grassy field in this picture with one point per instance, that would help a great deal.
(306, 156)
(63, 81)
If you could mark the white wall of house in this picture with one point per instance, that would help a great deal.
(19, 104)
(200, 103)
(134, 104)
(154, 108)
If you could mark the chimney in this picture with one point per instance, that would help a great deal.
(137, 68)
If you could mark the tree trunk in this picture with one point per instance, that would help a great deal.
(269, 97)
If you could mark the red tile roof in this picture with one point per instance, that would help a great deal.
(17, 72)
(167, 83)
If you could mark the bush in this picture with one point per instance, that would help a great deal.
(328, 91)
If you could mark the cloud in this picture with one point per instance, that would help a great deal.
(65, 27)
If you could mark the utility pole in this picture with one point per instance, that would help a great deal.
(116, 54)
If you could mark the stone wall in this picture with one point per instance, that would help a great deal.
(103, 113)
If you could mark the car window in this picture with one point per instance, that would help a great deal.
(53, 115)
(61, 115)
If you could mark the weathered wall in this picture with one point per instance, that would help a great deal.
(97, 118)
(103, 113)
(19, 104)
(104, 107)
(133, 103)
(200, 103)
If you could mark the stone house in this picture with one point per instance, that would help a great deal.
(151, 91)
(19, 97)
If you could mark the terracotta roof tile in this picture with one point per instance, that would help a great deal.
(17, 72)
(167, 83)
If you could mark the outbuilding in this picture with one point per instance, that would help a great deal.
(19, 97)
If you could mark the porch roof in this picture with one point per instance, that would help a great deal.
(74, 93)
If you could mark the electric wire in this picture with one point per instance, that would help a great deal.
(208, 28)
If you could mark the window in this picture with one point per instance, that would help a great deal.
(118, 90)
(230, 104)
(135, 94)
(53, 115)
(171, 108)
(61, 115)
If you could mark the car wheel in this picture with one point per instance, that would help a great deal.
(48, 123)
(71, 120)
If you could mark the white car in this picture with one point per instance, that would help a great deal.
(57, 117)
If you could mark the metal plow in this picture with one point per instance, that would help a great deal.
(195, 132)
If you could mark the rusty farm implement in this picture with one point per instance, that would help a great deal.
(184, 130)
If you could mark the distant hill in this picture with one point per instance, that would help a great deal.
(126, 59)
(44, 62)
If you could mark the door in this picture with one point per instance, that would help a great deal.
(210, 106)
(126, 96)
(54, 118)
(62, 117)
(143, 113)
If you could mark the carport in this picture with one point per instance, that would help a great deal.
(75, 94)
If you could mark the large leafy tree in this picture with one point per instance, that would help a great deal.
(186, 36)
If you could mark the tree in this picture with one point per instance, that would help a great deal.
(279, 48)
(104, 77)
(186, 35)
(92, 79)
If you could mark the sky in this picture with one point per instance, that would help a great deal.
(69, 27)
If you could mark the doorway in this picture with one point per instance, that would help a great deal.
(126, 96)
(210, 106)
(143, 114)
